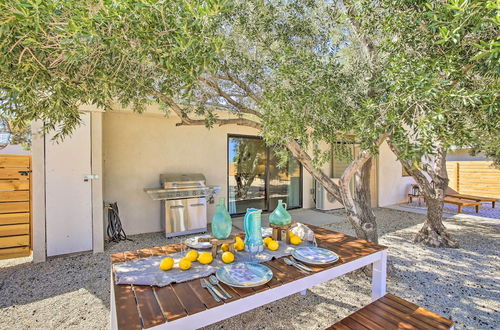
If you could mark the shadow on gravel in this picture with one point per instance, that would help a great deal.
(28, 282)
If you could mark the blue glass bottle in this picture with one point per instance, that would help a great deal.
(222, 223)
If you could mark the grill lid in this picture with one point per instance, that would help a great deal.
(179, 186)
(182, 181)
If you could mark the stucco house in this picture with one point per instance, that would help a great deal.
(115, 154)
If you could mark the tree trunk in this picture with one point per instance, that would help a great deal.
(433, 232)
(358, 207)
(362, 202)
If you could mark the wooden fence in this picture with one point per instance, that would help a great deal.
(15, 206)
(478, 178)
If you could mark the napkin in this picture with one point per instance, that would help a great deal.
(305, 233)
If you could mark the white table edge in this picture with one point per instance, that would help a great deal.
(216, 314)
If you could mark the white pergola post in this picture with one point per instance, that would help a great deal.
(38, 192)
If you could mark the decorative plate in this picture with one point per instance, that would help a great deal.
(244, 274)
(193, 243)
(314, 255)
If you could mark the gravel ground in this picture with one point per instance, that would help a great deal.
(463, 284)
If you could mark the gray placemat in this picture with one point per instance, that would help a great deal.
(147, 271)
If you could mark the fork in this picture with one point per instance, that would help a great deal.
(204, 285)
(215, 281)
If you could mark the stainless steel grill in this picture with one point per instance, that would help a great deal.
(184, 202)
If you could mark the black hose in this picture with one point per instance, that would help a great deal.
(115, 230)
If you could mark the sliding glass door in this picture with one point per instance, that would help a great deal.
(255, 180)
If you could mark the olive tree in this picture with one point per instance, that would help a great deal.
(194, 57)
(287, 55)
(437, 78)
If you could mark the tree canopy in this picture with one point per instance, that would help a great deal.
(59, 55)
(422, 74)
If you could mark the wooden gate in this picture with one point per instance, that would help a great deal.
(15, 206)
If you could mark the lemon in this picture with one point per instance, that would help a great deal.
(227, 257)
(167, 263)
(273, 245)
(205, 258)
(192, 255)
(295, 240)
(291, 234)
(238, 239)
(224, 247)
(238, 246)
(185, 264)
(267, 240)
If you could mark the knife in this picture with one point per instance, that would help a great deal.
(217, 292)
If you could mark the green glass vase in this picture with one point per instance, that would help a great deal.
(280, 216)
(222, 223)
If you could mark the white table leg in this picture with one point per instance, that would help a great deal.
(379, 276)
(113, 320)
(303, 292)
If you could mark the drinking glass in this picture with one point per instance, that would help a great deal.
(182, 245)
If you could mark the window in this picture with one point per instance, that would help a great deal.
(255, 180)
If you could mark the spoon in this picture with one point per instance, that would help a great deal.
(215, 281)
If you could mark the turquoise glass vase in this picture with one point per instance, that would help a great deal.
(252, 224)
(222, 223)
(280, 216)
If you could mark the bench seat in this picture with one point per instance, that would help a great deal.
(461, 202)
(474, 198)
(392, 312)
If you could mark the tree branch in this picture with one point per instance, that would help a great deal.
(185, 120)
(241, 84)
(228, 98)
(306, 161)
(417, 174)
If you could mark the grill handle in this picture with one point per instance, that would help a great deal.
(198, 204)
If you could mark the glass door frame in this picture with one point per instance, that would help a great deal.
(267, 175)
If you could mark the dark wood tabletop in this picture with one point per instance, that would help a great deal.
(139, 306)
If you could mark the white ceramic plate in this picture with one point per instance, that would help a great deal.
(193, 243)
(314, 255)
(244, 274)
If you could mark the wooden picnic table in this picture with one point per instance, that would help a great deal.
(189, 306)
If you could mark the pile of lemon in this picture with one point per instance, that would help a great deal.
(203, 258)
(271, 244)
(185, 263)
(294, 239)
(274, 245)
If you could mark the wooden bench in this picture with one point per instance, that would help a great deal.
(454, 194)
(392, 312)
(462, 202)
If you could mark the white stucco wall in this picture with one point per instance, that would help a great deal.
(138, 147)
(392, 186)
